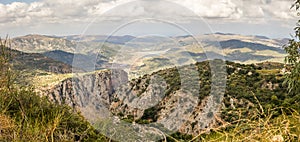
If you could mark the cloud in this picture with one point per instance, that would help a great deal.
(212, 9)
(279, 9)
(82, 11)
(242, 10)
(13, 13)
(67, 10)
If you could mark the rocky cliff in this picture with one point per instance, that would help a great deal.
(162, 98)
(90, 94)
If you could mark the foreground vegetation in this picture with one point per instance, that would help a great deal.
(25, 116)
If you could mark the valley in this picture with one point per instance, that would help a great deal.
(155, 84)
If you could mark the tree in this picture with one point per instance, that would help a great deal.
(293, 58)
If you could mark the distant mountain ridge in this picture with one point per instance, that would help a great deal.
(235, 44)
(41, 43)
(94, 52)
(100, 38)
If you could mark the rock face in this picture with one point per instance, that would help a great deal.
(107, 93)
(170, 98)
(162, 99)
(90, 94)
(179, 111)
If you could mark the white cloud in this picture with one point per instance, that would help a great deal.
(63, 10)
(70, 11)
(280, 9)
(212, 9)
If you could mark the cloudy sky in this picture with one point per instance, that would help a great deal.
(272, 18)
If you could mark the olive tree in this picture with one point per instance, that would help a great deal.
(293, 58)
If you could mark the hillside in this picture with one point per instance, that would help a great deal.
(87, 62)
(27, 116)
(35, 61)
(108, 93)
(144, 87)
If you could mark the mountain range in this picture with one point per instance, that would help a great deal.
(142, 55)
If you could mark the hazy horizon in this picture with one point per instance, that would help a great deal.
(52, 35)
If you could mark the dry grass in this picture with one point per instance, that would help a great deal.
(7, 127)
(261, 127)
(270, 52)
(269, 72)
(45, 79)
(50, 79)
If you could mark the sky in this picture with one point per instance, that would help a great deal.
(11, 1)
(271, 18)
